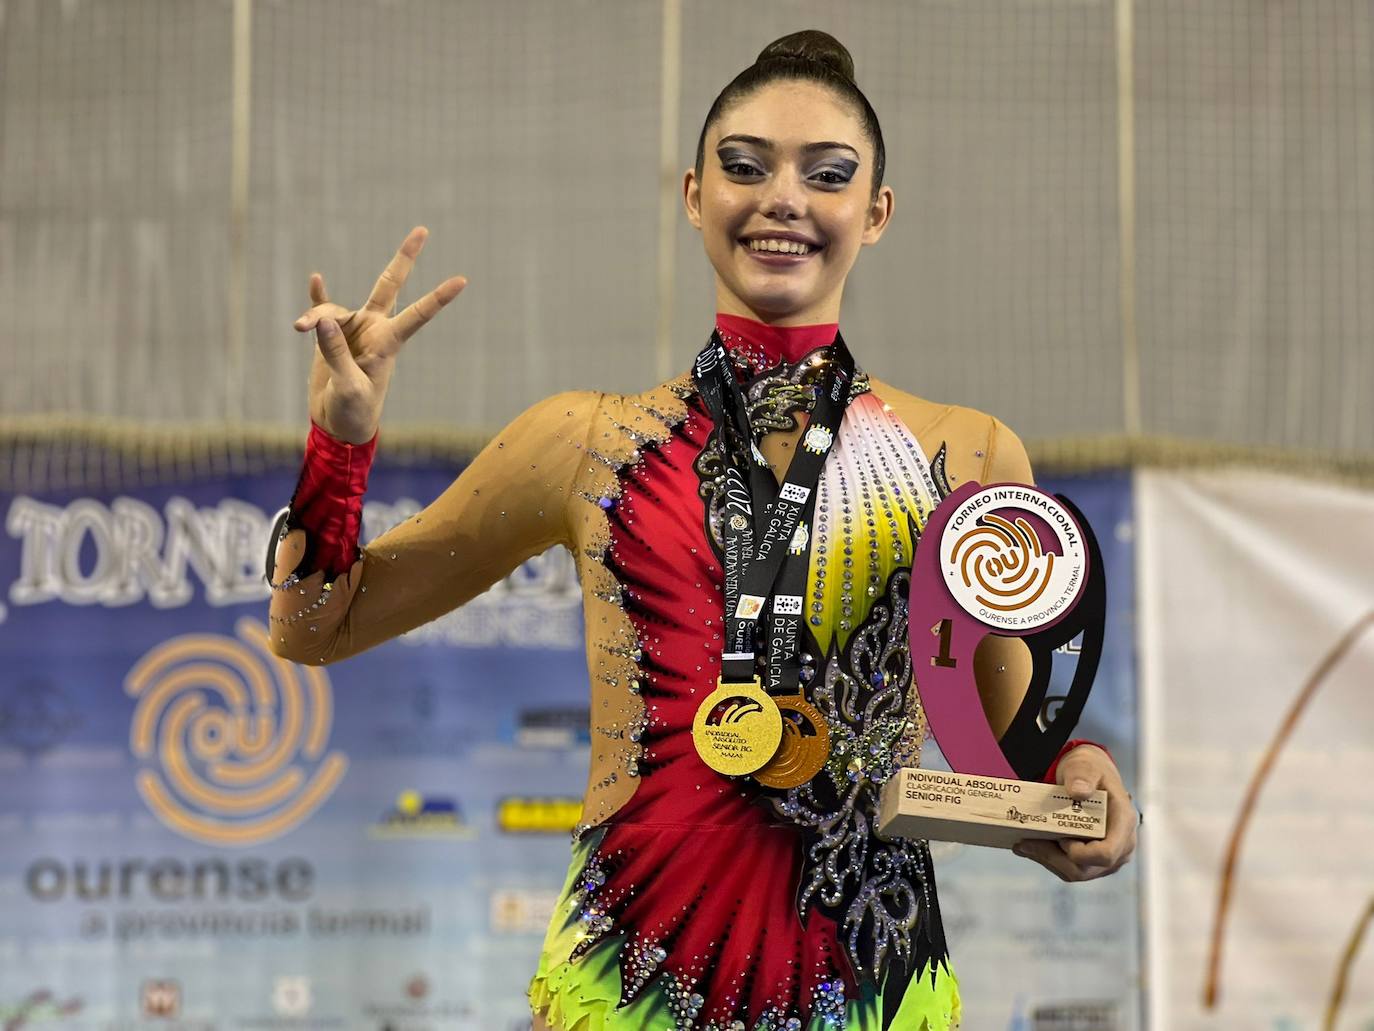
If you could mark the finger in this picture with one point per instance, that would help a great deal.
(319, 374)
(310, 319)
(318, 293)
(1081, 789)
(1048, 855)
(418, 314)
(1081, 771)
(393, 277)
(1122, 821)
(334, 347)
(1108, 854)
(1096, 854)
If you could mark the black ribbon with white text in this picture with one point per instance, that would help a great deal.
(761, 516)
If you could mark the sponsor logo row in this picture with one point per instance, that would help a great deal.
(291, 996)
(417, 815)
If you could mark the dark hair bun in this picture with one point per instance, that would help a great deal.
(811, 45)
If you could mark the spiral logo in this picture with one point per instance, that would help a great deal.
(1013, 557)
(1003, 561)
(234, 737)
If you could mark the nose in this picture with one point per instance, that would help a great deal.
(785, 198)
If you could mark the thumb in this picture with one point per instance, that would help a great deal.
(333, 347)
(1080, 788)
(1080, 775)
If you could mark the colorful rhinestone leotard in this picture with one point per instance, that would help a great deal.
(693, 900)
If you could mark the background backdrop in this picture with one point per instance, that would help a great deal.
(1163, 211)
(1142, 233)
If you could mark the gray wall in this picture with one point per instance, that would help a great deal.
(526, 135)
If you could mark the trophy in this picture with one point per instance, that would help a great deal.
(1010, 560)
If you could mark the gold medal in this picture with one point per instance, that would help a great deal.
(804, 748)
(737, 728)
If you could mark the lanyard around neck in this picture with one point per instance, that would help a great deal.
(761, 517)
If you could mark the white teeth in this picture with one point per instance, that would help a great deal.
(782, 246)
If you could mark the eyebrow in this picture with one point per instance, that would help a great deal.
(764, 144)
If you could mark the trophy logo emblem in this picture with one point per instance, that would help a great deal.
(1013, 567)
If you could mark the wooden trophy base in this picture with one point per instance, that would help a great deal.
(977, 810)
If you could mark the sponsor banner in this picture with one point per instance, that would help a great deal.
(1257, 665)
(196, 834)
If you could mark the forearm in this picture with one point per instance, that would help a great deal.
(510, 503)
(328, 501)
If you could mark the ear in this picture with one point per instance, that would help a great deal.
(691, 197)
(879, 214)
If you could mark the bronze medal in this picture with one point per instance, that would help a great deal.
(805, 745)
(737, 728)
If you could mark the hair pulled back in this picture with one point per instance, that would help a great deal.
(808, 56)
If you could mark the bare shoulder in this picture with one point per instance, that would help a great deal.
(978, 446)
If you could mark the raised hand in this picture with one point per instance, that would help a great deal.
(356, 351)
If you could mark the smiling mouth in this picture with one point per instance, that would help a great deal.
(789, 253)
(790, 248)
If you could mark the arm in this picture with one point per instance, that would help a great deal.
(509, 504)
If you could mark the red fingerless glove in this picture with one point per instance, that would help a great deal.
(1069, 746)
(328, 502)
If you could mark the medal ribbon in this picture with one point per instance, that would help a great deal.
(761, 516)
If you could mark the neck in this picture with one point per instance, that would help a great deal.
(819, 309)
(762, 344)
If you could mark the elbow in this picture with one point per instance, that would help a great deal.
(303, 644)
(303, 656)
(285, 648)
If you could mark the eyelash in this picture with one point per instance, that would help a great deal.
(825, 171)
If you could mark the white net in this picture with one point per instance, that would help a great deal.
(526, 135)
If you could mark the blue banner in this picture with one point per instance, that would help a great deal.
(194, 831)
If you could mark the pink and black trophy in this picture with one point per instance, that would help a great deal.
(1005, 576)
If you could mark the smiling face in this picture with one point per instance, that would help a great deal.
(786, 167)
